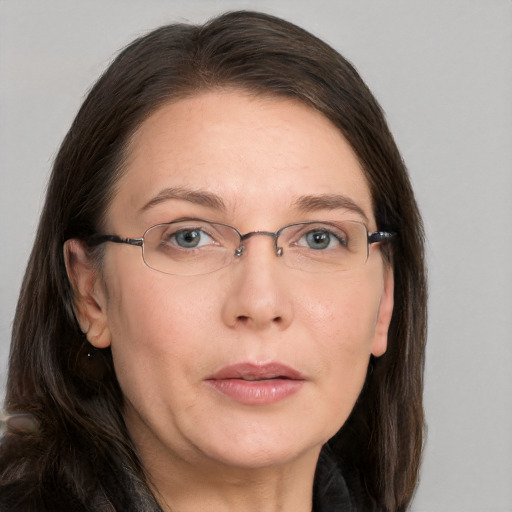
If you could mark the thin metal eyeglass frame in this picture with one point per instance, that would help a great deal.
(95, 240)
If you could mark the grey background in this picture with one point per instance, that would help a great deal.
(442, 70)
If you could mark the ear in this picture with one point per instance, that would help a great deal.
(380, 340)
(89, 297)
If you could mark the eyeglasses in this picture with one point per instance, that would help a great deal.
(189, 247)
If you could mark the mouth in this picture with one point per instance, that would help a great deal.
(253, 378)
(253, 372)
(254, 384)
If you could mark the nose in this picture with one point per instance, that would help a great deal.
(259, 293)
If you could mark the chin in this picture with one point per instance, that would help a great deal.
(264, 456)
(262, 445)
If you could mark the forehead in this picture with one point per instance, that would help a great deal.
(258, 155)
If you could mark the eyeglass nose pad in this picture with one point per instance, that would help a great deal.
(278, 250)
(241, 250)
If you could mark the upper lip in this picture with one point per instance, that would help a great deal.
(251, 371)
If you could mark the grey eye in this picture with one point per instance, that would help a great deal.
(318, 239)
(191, 238)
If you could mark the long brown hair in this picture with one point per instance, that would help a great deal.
(71, 388)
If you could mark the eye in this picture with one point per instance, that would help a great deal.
(190, 238)
(320, 239)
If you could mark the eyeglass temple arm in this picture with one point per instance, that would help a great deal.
(95, 240)
(380, 236)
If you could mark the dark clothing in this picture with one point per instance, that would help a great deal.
(330, 491)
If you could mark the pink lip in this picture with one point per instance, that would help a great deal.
(254, 384)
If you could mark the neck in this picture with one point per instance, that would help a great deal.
(183, 486)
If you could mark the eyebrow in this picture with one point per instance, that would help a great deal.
(313, 203)
(196, 196)
(306, 203)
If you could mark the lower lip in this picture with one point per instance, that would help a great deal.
(256, 392)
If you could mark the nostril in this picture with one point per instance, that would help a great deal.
(244, 319)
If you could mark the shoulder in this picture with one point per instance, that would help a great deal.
(31, 480)
(41, 475)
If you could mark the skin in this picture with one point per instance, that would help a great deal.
(201, 449)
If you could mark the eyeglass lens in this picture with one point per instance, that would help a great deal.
(193, 247)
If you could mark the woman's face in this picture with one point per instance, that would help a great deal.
(256, 364)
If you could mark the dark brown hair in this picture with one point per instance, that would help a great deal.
(82, 445)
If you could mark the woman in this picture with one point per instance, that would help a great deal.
(261, 347)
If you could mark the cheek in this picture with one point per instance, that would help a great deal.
(148, 306)
(155, 331)
(343, 312)
(341, 317)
